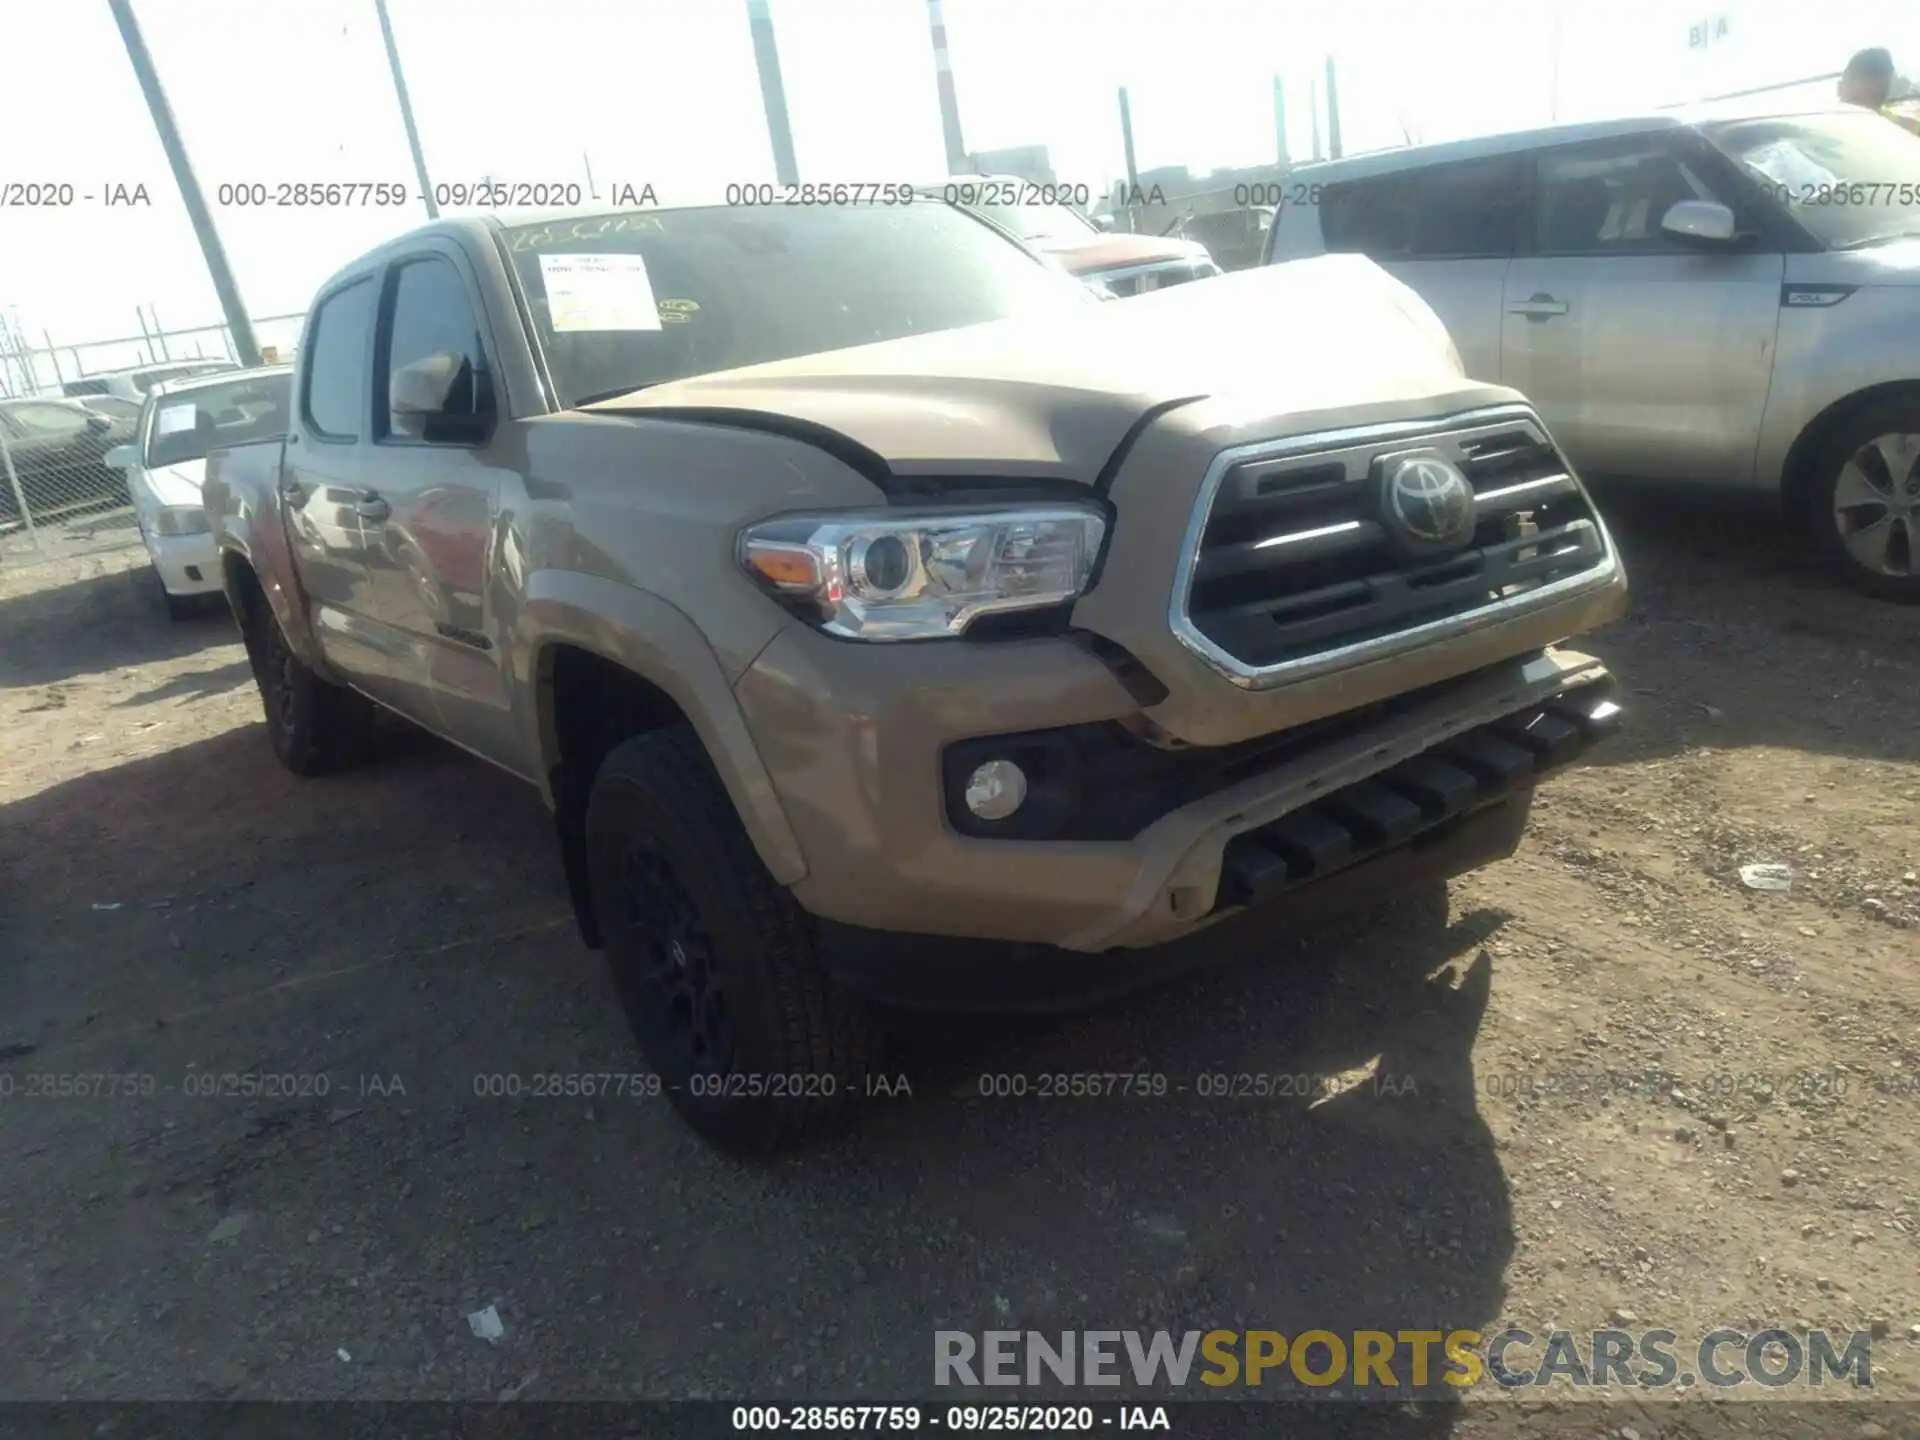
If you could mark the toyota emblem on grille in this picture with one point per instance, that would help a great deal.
(1425, 502)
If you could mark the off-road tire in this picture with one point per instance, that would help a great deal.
(1899, 415)
(315, 727)
(688, 912)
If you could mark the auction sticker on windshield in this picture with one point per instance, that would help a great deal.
(599, 292)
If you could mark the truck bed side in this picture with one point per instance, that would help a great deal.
(242, 498)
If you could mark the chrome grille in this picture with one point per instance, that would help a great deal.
(1289, 564)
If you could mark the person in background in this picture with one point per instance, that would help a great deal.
(1868, 82)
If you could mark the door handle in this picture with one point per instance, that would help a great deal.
(293, 493)
(1538, 307)
(371, 507)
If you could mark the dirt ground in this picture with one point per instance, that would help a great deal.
(174, 906)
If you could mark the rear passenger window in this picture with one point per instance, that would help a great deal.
(1471, 211)
(336, 385)
(1369, 217)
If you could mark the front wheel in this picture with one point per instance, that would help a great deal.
(717, 966)
(1866, 501)
(315, 727)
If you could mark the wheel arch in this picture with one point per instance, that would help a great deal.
(605, 662)
(1799, 474)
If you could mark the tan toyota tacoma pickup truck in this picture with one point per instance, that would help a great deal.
(887, 621)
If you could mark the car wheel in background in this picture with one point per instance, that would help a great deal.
(315, 727)
(717, 967)
(1865, 509)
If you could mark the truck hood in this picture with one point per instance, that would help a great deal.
(1052, 395)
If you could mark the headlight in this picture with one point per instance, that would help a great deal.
(180, 520)
(928, 575)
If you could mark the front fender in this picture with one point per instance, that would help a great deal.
(655, 640)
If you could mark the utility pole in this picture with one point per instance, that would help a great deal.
(406, 111)
(1333, 112)
(216, 257)
(1280, 122)
(1126, 139)
(949, 103)
(773, 94)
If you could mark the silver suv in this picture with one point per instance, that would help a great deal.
(1715, 301)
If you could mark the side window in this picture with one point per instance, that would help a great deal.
(336, 383)
(1369, 217)
(1610, 201)
(1471, 211)
(430, 315)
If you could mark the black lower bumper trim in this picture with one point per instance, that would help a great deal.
(1417, 797)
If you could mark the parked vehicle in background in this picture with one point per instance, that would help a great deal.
(166, 462)
(1119, 264)
(886, 620)
(1717, 301)
(113, 407)
(55, 450)
(135, 383)
(1236, 238)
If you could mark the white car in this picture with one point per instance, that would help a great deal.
(138, 383)
(182, 421)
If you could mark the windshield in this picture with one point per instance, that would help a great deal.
(1849, 179)
(1041, 224)
(213, 417)
(625, 300)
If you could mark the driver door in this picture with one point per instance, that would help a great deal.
(1647, 355)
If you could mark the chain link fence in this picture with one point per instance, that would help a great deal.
(64, 407)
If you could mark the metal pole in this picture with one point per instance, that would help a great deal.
(587, 161)
(1333, 112)
(1126, 138)
(406, 118)
(13, 479)
(54, 356)
(773, 94)
(949, 103)
(1313, 108)
(166, 350)
(216, 257)
(1280, 121)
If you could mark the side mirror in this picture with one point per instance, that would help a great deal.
(121, 457)
(440, 397)
(1705, 220)
(1105, 222)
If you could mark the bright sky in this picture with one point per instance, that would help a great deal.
(666, 92)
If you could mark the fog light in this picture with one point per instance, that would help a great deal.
(996, 789)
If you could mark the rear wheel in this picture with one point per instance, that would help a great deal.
(1866, 502)
(315, 727)
(718, 968)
